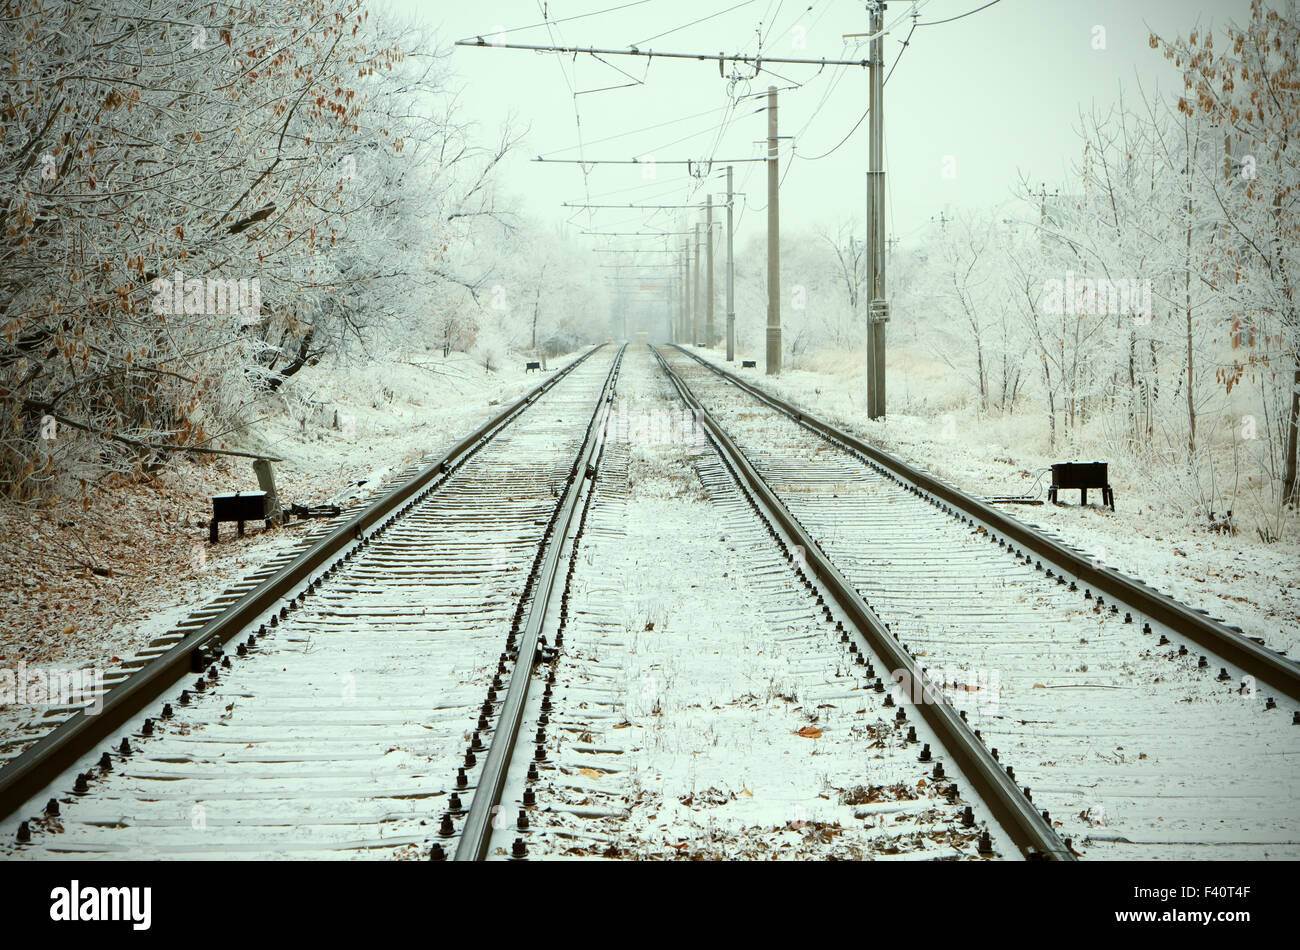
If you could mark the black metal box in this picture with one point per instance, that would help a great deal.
(241, 506)
(1082, 476)
(1079, 475)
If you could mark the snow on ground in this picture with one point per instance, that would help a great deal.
(704, 709)
(1247, 582)
(87, 587)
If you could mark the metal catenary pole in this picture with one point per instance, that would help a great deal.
(773, 242)
(708, 318)
(686, 291)
(878, 313)
(695, 300)
(731, 279)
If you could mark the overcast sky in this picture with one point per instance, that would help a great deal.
(999, 91)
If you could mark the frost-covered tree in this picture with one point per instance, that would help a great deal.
(199, 204)
(1249, 90)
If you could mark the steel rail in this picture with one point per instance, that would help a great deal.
(476, 836)
(1013, 811)
(1267, 666)
(49, 756)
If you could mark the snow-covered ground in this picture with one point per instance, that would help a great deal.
(1150, 534)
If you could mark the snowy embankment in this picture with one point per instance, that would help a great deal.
(86, 586)
(1152, 534)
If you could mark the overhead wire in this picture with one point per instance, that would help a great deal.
(577, 112)
(743, 3)
(546, 22)
(645, 128)
(731, 108)
(913, 13)
(960, 15)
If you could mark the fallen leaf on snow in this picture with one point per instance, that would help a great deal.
(809, 732)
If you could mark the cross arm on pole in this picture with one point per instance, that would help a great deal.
(481, 43)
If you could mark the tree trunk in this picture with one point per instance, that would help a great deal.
(1289, 494)
(1187, 305)
(1187, 300)
(1051, 403)
(298, 362)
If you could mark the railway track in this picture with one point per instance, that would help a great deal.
(730, 632)
(365, 698)
(709, 701)
(1141, 727)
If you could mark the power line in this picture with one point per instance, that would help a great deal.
(577, 114)
(913, 13)
(692, 135)
(577, 16)
(818, 158)
(743, 3)
(960, 15)
(770, 22)
(646, 128)
(666, 184)
(903, 49)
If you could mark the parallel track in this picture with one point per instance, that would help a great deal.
(1131, 741)
(340, 727)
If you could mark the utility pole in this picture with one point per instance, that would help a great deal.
(667, 303)
(878, 314)
(695, 309)
(708, 323)
(1042, 197)
(670, 297)
(731, 279)
(773, 243)
(684, 336)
